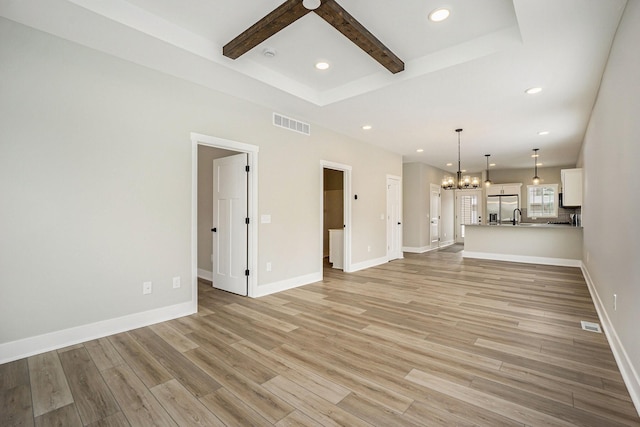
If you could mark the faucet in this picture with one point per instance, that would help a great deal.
(514, 215)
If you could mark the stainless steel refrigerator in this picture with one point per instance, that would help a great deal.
(500, 208)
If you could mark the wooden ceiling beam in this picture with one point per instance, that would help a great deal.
(342, 21)
(281, 17)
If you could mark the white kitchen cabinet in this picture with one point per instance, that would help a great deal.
(336, 248)
(571, 187)
(504, 189)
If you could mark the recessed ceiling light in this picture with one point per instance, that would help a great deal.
(538, 164)
(543, 132)
(533, 90)
(366, 127)
(269, 52)
(492, 164)
(419, 150)
(449, 164)
(322, 65)
(463, 170)
(534, 155)
(439, 15)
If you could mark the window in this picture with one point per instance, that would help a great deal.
(468, 211)
(542, 201)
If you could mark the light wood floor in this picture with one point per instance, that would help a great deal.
(428, 340)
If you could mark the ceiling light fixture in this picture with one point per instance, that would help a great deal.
(535, 155)
(448, 182)
(366, 127)
(449, 164)
(419, 150)
(322, 65)
(269, 52)
(543, 132)
(439, 15)
(311, 4)
(533, 90)
(487, 182)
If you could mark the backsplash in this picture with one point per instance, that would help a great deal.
(564, 215)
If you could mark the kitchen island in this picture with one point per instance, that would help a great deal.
(548, 244)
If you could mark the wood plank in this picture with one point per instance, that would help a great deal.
(103, 353)
(231, 410)
(176, 339)
(135, 400)
(312, 405)
(93, 398)
(150, 371)
(15, 406)
(192, 377)
(115, 420)
(297, 419)
(49, 387)
(66, 416)
(266, 404)
(183, 407)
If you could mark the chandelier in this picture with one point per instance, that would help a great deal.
(462, 182)
(535, 155)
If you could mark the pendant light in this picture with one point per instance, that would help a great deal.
(536, 178)
(461, 183)
(488, 182)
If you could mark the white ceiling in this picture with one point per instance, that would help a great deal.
(469, 71)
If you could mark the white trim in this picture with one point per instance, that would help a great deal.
(401, 219)
(370, 263)
(283, 285)
(346, 185)
(563, 262)
(26, 347)
(205, 274)
(252, 156)
(627, 370)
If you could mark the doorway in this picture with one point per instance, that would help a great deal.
(335, 223)
(468, 211)
(394, 218)
(434, 216)
(201, 248)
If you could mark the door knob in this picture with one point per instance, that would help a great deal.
(214, 229)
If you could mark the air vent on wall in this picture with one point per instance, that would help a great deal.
(291, 124)
(590, 326)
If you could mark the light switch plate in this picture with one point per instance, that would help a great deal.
(176, 282)
(147, 288)
(265, 219)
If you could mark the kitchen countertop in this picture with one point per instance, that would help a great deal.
(526, 225)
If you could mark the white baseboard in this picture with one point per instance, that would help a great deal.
(283, 285)
(367, 264)
(204, 274)
(26, 347)
(563, 262)
(627, 370)
(423, 249)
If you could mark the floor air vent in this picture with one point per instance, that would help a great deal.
(590, 326)
(288, 123)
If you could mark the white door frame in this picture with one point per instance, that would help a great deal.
(399, 254)
(346, 186)
(435, 188)
(252, 199)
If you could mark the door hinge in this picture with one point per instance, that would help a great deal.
(246, 272)
(246, 220)
(247, 168)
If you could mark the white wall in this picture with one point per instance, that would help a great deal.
(610, 157)
(95, 177)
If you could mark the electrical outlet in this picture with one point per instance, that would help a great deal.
(147, 288)
(268, 266)
(176, 282)
(615, 302)
(368, 248)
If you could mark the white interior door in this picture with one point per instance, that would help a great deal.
(468, 210)
(394, 219)
(434, 216)
(229, 224)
